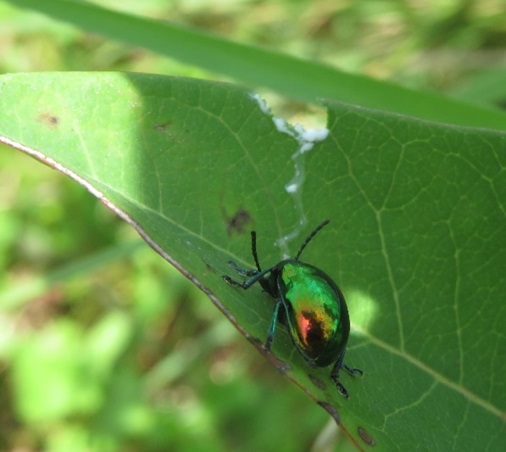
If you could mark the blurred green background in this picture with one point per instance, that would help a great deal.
(103, 345)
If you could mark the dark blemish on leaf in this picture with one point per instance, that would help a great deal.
(162, 127)
(48, 119)
(366, 436)
(209, 267)
(331, 410)
(318, 382)
(238, 222)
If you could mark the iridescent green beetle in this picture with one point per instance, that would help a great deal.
(314, 308)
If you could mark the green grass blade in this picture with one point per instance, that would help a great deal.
(286, 74)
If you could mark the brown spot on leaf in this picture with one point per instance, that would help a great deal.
(331, 410)
(48, 119)
(318, 382)
(209, 267)
(238, 221)
(366, 436)
(162, 127)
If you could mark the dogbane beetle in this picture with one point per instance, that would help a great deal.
(313, 308)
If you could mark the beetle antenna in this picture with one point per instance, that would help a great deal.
(254, 249)
(310, 236)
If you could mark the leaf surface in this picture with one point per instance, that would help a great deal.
(416, 240)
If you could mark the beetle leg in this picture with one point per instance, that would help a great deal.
(342, 390)
(352, 371)
(242, 271)
(230, 281)
(274, 322)
(249, 282)
(334, 376)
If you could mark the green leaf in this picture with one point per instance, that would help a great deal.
(291, 76)
(416, 240)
